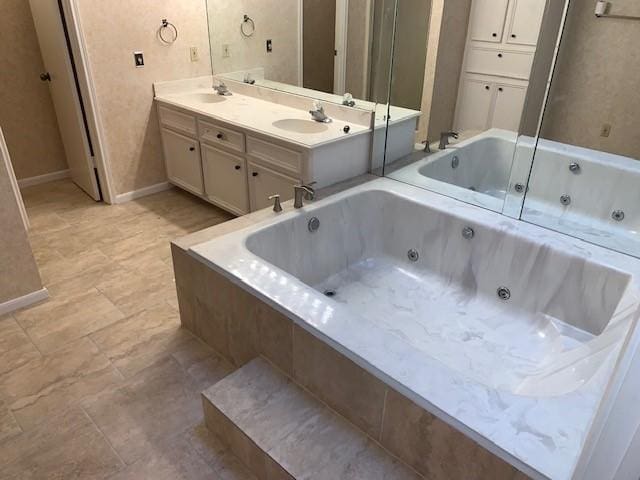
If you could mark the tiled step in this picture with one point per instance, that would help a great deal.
(282, 432)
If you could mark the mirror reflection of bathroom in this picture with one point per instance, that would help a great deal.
(322, 49)
(475, 59)
(585, 175)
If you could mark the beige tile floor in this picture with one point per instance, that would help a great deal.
(100, 381)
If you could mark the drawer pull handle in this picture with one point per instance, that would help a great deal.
(192, 149)
(219, 136)
(238, 167)
(255, 174)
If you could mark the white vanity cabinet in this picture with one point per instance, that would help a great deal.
(264, 182)
(235, 170)
(182, 160)
(225, 179)
(501, 44)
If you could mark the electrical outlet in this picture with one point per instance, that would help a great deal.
(605, 131)
(226, 51)
(194, 54)
(138, 58)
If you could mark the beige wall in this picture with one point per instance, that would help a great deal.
(113, 30)
(597, 81)
(19, 272)
(358, 48)
(409, 52)
(445, 53)
(26, 110)
(275, 19)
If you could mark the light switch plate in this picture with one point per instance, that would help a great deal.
(194, 54)
(226, 51)
(605, 131)
(138, 58)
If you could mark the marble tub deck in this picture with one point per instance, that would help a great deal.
(100, 381)
(541, 435)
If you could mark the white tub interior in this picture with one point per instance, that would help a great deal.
(475, 170)
(545, 340)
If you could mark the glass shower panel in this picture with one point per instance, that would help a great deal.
(585, 178)
(457, 130)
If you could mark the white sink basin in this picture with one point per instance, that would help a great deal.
(202, 98)
(298, 125)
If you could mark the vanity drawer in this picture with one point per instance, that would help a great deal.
(498, 62)
(217, 135)
(283, 158)
(178, 121)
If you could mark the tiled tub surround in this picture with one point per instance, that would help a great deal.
(556, 349)
(475, 170)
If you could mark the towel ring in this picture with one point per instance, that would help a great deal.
(166, 25)
(252, 26)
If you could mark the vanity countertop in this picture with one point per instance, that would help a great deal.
(261, 116)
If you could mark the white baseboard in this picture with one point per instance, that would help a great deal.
(143, 192)
(24, 301)
(46, 178)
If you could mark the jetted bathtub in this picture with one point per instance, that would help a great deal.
(507, 331)
(475, 170)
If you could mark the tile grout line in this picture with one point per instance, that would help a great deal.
(106, 439)
(102, 352)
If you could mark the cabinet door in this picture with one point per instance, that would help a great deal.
(526, 22)
(487, 22)
(508, 107)
(225, 180)
(264, 182)
(182, 159)
(474, 105)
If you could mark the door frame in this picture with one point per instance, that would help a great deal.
(340, 45)
(87, 92)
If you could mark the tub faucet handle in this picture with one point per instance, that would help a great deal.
(277, 207)
(301, 192)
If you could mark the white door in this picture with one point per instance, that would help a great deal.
(508, 107)
(474, 105)
(526, 23)
(488, 20)
(225, 179)
(57, 63)
(264, 182)
(340, 58)
(182, 159)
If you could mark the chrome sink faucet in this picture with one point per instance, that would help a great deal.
(302, 192)
(317, 113)
(222, 89)
(444, 139)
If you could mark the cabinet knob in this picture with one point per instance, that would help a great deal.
(192, 149)
(487, 87)
(255, 174)
(513, 35)
(494, 34)
(219, 136)
(499, 55)
(500, 89)
(238, 167)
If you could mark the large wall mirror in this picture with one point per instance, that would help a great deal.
(324, 49)
(585, 177)
(479, 57)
